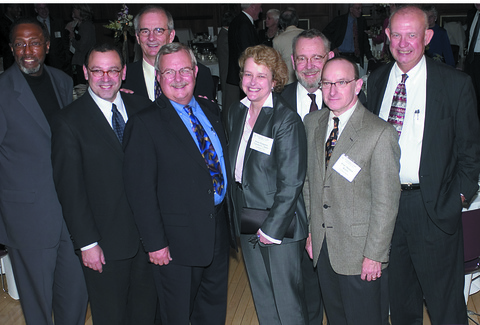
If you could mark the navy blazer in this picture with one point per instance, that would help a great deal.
(88, 172)
(450, 158)
(168, 184)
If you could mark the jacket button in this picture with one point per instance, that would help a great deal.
(325, 206)
(323, 225)
(209, 192)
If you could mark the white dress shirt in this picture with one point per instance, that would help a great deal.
(149, 75)
(342, 121)
(412, 131)
(303, 101)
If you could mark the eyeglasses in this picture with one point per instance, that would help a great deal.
(145, 32)
(338, 84)
(22, 45)
(170, 73)
(316, 59)
(101, 73)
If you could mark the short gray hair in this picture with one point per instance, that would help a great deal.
(174, 48)
(149, 9)
(311, 34)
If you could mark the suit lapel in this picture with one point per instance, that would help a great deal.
(319, 138)
(375, 102)
(29, 102)
(347, 139)
(236, 132)
(100, 124)
(433, 103)
(178, 129)
(263, 120)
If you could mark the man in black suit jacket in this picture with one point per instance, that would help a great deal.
(241, 34)
(472, 61)
(141, 74)
(340, 31)
(57, 55)
(177, 204)
(47, 272)
(87, 163)
(440, 163)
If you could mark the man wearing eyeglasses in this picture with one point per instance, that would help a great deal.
(47, 272)
(154, 28)
(351, 196)
(87, 159)
(176, 179)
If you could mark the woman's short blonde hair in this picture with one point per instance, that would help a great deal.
(269, 57)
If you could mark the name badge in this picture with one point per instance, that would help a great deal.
(261, 143)
(58, 34)
(346, 168)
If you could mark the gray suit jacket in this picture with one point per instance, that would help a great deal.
(30, 213)
(273, 181)
(357, 218)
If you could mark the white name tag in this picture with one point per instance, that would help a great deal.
(261, 143)
(346, 167)
(58, 34)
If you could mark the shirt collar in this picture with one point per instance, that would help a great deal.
(249, 17)
(268, 102)
(412, 72)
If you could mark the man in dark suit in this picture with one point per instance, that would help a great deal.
(347, 35)
(154, 28)
(47, 273)
(440, 155)
(241, 34)
(311, 49)
(472, 61)
(175, 180)
(351, 197)
(57, 55)
(87, 163)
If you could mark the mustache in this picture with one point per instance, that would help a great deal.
(180, 84)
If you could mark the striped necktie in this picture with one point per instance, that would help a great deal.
(332, 141)
(399, 104)
(118, 123)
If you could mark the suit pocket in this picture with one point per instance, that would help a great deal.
(359, 230)
(18, 196)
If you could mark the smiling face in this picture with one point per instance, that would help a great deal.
(408, 37)
(42, 10)
(152, 43)
(270, 21)
(257, 82)
(29, 58)
(180, 88)
(309, 72)
(105, 87)
(339, 100)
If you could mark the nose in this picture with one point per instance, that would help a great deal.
(309, 64)
(28, 48)
(151, 37)
(333, 89)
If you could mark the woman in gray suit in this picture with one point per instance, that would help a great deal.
(268, 159)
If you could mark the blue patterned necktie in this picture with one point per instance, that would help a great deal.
(332, 140)
(118, 123)
(208, 152)
(158, 90)
(399, 104)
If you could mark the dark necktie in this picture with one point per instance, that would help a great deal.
(399, 104)
(473, 42)
(313, 105)
(332, 140)
(46, 26)
(158, 90)
(208, 152)
(118, 123)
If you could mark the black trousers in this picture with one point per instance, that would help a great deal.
(425, 263)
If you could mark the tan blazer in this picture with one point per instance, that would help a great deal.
(356, 218)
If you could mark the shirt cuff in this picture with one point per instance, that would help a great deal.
(273, 240)
(84, 248)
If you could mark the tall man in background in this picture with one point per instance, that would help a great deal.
(433, 107)
(153, 29)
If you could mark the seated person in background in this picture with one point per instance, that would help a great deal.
(439, 48)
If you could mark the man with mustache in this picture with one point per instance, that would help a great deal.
(154, 28)
(87, 164)
(47, 272)
(175, 179)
